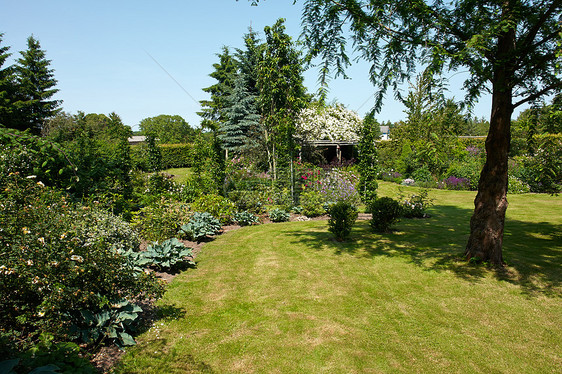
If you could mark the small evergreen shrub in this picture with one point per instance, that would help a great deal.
(278, 215)
(342, 218)
(386, 211)
(245, 218)
(200, 226)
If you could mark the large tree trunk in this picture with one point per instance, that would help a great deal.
(490, 204)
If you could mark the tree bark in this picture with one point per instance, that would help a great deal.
(488, 220)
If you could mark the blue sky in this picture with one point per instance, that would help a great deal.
(99, 52)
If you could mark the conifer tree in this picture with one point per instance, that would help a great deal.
(35, 82)
(225, 73)
(241, 114)
(7, 86)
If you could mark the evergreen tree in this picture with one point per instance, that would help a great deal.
(7, 87)
(241, 114)
(225, 73)
(35, 82)
(368, 159)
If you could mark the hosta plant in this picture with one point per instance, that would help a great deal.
(200, 226)
(246, 218)
(166, 256)
(278, 215)
(115, 322)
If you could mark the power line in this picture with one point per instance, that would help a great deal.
(170, 75)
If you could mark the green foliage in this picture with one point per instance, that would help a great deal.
(176, 155)
(29, 155)
(167, 129)
(34, 84)
(98, 148)
(48, 356)
(218, 206)
(468, 168)
(200, 226)
(282, 95)
(278, 215)
(368, 162)
(161, 219)
(415, 205)
(312, 203)
(245, 218)
(422, 175)
(386, 211)
(153, 154)
(342, 218)
(166, 256)
(517, 186)
(251, 200)
(112, 323)
(52, 268)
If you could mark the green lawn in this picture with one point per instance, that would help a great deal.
(286, 298)
(180, 174)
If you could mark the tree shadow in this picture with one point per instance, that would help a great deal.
(532, 251)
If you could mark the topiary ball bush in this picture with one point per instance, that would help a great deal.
(342, 218)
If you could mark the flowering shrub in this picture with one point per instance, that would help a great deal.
(517, 186)
(339, 185)
(50, 269)
(414, 206)
(454, 183)
(408, 182)
(328, 123)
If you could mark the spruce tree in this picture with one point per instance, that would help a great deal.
(241, 114)
(35, 82)
(225, 73)
(7, 86)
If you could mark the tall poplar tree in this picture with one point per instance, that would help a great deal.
(511, 49)
(281, 94)
(35, 87)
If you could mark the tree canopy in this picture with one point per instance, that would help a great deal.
(167, 129)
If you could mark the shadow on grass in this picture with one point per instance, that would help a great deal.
(532, 251)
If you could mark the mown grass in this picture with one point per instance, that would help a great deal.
(180, 174)
(286, 298)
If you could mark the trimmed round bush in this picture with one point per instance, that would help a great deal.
(342, 218)
(386, 211)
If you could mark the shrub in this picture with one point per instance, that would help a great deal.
(386, 212)
(200, 226)
(218, 206)
(422, 175)
(252, 201)
(161, 219)
(176, 155)
(101, 226)
(467, 170)
(340, 185)
(278, 215)
(414, 206)
(312, 203)
(51, 269)
(166, 256)
(517, 186)
(454, 183)
(245, 218)
(342, 219)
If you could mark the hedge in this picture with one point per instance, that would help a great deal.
(173, 156)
